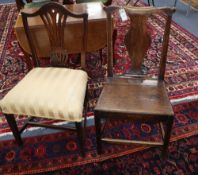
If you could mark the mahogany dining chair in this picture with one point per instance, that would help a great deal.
(56, 92)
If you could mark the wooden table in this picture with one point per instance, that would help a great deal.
(73, 33)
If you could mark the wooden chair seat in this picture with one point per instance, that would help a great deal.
(134, 97)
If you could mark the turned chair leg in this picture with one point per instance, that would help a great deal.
(81, 137)
(169, 125)
(98, 133)
(13, 126)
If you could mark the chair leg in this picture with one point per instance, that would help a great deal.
(175, 3)
(98, 133)
(13, 126)
(115, 33)
(169, 125)
(81, 137)
(153, 3)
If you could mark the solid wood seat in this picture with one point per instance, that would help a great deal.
(136, 96)
(150, 97)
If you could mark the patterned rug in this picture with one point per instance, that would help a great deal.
(60, 150)
(181, 74)
(183, 159)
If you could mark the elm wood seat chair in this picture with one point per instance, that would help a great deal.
(57, 93)
(135, 96)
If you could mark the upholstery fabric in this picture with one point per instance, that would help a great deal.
(56, 93)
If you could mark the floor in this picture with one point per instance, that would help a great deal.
(187, 20)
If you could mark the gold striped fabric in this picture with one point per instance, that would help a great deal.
(55, 93)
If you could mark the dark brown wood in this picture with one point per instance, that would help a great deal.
(98, 132)
(54, 17)
(108, 2)
(20, 4)
(149, 97)
(59, 58)
(121, 141)
(50, 126)
(137, 32)
(109, 39)
(169, 124)
(165, 48)
(81, 137)
(136, 97)
(13, 126)
(27, 59)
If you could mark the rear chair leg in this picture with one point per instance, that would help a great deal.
(81, 137)
(13, 126)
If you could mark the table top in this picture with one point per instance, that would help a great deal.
(94, 9)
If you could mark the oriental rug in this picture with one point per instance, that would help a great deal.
(60, 150)
(182, 160)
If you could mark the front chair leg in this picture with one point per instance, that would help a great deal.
(169, 125)
(13, 126)
(98, 133)
(81, 137)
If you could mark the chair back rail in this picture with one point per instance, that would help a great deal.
(138, 39)
(54, 17)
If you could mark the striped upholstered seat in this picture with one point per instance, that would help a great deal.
(49, 93)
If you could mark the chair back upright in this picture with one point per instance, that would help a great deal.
(54, 17)
(138, 39)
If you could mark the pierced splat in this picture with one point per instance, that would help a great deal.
(55, 22)
(137, 41)
(54, 17)
(59, 58)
